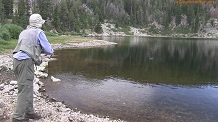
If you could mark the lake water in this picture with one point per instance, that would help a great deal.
(140, 79)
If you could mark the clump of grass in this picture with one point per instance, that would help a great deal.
(68, 39)
(7, 46)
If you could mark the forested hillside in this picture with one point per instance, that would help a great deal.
(157, 16)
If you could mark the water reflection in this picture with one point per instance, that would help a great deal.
(153, 60)
(141, 79)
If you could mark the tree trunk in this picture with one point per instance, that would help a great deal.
(29, 7)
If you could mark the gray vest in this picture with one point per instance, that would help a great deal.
(28, 43)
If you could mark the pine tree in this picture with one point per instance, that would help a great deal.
(1, 12)
(72, 19)
(64, 15)
(8, 8)
(56, 19)
(45, 8)
(197, 11)
(140, 16)
(22, 19)
(29, 7)
(102, 10)
(178, 14)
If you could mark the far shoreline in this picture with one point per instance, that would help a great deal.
(154, 36)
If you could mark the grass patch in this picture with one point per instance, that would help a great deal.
(68, 39)
(7, 46)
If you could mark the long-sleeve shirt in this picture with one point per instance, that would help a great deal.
(43, 41)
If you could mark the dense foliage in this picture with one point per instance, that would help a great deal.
(159, 16)
(10, 31)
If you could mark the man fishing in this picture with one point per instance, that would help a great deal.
(32, 41)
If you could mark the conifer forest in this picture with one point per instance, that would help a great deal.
(159, 16)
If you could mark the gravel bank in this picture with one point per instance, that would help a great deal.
(48, 108)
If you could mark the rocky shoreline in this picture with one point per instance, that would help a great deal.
(50, 109)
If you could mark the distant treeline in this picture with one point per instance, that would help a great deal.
(79, 15)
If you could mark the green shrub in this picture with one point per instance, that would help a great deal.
(4, 33)
(13, 29)
(182, 30)
(98, 28)
(1, 40)
(152, 29)
(126, 30)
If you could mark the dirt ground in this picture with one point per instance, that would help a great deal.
(6, 75)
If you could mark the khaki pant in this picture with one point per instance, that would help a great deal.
(24, 72)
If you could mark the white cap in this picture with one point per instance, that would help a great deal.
(36, 20)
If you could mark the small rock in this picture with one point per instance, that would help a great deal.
(52, 59)
(36, 87)
(36, 80)
(1, 86)
(40, 68)
(13, 82)
(8, 88)
(44, 64)
(42, 90)
(55, 79)
(11, 93)
(52, 100)
(41, 74)
(2, 103)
